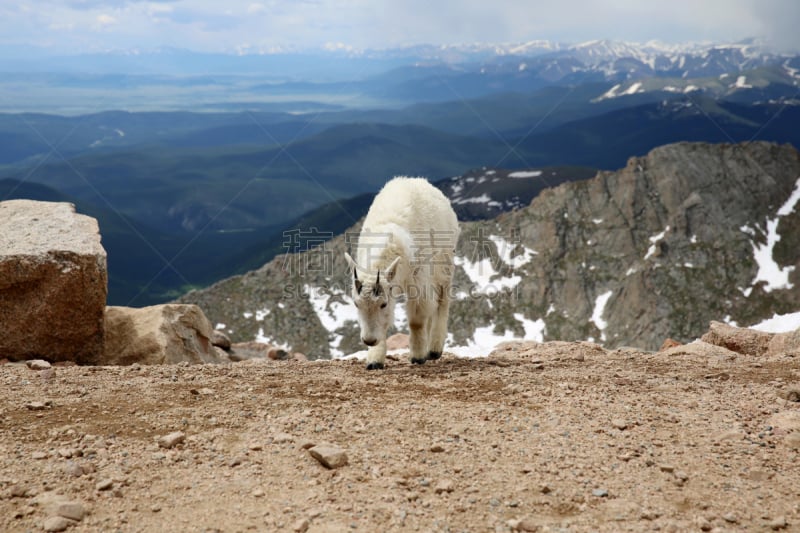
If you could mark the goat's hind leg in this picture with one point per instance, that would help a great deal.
(438, 334)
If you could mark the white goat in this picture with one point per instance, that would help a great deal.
(406, 248)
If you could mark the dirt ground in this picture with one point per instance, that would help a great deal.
(556, 437)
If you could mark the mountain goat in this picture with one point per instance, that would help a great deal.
(406, 247)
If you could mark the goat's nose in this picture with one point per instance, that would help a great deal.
(369, 341)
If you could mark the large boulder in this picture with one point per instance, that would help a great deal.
(739, 340)
(53, 283)
(160, 334)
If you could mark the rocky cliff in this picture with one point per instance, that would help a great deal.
(684, 235)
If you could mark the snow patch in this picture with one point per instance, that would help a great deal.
(741, 83)
(484, 339)
(655, 239)
(597, 314)
(482, 199)
(779, 323)
(331, 313)
(633, 89)
(525, 174)
(769, 271)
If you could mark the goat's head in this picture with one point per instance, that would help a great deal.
(373, 296)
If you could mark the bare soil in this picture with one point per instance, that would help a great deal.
(556, 437)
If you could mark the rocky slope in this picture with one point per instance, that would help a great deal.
(687, 234)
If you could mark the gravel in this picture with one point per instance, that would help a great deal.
(531, 459)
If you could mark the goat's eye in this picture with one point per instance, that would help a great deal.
(383, 305)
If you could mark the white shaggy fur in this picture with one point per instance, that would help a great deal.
(406, 248)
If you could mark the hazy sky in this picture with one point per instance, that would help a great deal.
(228, 25)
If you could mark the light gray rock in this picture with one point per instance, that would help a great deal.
(160, 334)
(56, 523)
(220, 339)
(38, 364)
(171, 440)
(53, 283)
(72, 510)
(329, 456)
(741, 340)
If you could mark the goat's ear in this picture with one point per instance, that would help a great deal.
(352, 264)
(391, 270)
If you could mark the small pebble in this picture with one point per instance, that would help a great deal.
(301, 526)
(444, 485)
(56, 523)
(72, 510)
(437, 448)
(171, 440)
(619, 424)
(600, 493)
(105, 484)
(778, 523)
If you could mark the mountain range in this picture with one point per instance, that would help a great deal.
(259, 144)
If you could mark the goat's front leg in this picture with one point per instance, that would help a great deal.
(376, 356)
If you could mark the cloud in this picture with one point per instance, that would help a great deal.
(105, 20)
(267, 24)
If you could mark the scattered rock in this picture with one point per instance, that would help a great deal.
(57, 523)
(277, 354)
(282, 438)
(39, 455)
(437, 448)
(329, 456)
(220, 339)
(301, 526)
(36, 406)
(778, 523)
(38, 364)
(527, 525)
(53, 283)
(730, 518)
(792, 440)
(242, 351)
(669, 343)
(791, 394)
(668, 468)
(300, 357)
(444, 485)
(398, 341)
(600, 493)
(159, 334)
(72, 510)
(171, 440)
(74, 469)
(105, 484)
(619, 424)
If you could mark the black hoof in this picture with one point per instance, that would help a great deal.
(418, 361)
(375, 366)
(433, 356)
